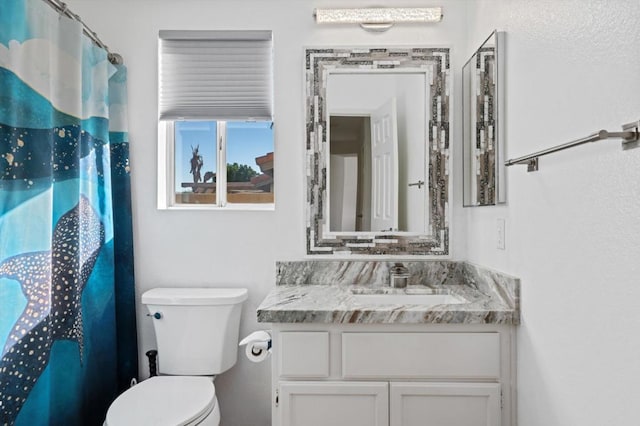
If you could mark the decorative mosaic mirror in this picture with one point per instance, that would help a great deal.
(482, 116)
(377, 139)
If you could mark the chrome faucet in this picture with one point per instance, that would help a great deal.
(398, 275)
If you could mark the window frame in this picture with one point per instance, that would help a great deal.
(166, 172)
(180, 53)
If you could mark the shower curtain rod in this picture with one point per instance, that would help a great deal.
(63, 9)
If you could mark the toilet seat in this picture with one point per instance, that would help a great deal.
(164, 400)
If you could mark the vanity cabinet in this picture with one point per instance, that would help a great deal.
(393, 374)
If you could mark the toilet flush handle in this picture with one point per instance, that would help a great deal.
(156, 315)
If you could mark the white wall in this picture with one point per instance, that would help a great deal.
(412, 156)
(236, 248)
(572, 228)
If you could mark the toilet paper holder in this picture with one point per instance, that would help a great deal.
(257, 348)
(259, 345)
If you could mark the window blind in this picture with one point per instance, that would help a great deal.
(215, 75)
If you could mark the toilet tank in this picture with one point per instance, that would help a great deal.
(196, 329)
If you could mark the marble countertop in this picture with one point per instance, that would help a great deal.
(337, 304)
(489, 298)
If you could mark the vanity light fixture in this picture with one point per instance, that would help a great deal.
(378, 18)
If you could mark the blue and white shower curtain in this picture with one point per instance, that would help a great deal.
(67, 309)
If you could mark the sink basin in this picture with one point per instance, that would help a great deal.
(407, 299)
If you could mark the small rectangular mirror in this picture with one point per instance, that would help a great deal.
(483, 136)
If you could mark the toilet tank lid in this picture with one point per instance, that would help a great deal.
(195, 296)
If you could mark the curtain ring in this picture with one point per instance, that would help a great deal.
(115, 58)
(63, 9)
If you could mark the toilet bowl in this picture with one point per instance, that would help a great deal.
(197, 338)
(167, 401)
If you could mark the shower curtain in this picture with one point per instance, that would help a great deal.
(67, 309)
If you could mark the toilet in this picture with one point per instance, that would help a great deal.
(197, 338)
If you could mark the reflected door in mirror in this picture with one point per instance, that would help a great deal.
(384, 171)
(380, 119)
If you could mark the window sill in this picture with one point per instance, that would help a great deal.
(228, 207)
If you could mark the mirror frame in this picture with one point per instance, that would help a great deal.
(492, 179)
(319, 63)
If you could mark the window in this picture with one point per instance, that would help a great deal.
(215, 125)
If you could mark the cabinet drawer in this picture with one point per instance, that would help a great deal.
(304, 354)
(421, 355)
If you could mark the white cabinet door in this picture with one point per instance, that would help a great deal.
(444, 404)
(334, 403)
